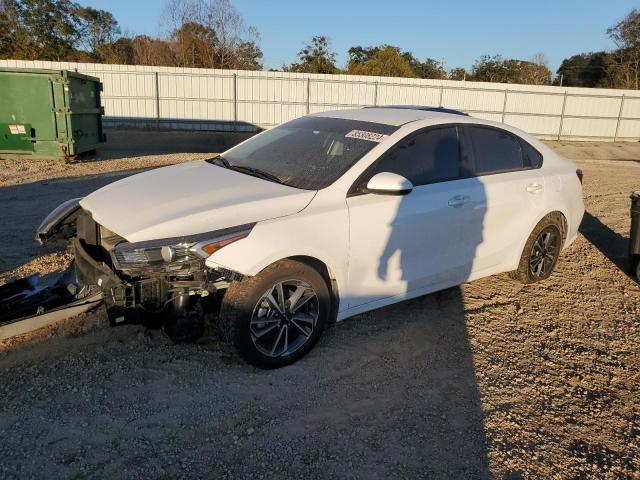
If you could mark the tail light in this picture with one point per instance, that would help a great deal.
(580, 175)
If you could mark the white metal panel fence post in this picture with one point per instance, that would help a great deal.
(564, 105)
(441, 95)
(375, 93)
(235, 102)
(157, 92)
(504, 104)
(308, 95)
(615, 135)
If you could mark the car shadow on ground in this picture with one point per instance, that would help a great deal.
(610, 243)
(405, 393)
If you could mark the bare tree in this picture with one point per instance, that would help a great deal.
(540, 59)
(623, 68)
(222, 40)
(228, 25)
(623, 65)
(151, 51)
(537, 71)
(178, 12)
(626, 33)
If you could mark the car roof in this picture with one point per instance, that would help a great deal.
(399, 115)
(426, 108)
(393, 115)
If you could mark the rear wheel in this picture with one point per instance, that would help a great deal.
(277, 316)
(542, 250)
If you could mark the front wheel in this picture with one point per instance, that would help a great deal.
(542, 250)
(277, 316)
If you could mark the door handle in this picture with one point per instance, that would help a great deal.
(534, 188)
(458, 201)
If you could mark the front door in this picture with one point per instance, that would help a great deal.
(422, 240)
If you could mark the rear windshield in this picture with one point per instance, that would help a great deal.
(310, 152)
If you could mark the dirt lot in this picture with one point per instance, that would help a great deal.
(491, 379)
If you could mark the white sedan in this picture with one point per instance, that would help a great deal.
(321, 218)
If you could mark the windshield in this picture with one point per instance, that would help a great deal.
(309, 152)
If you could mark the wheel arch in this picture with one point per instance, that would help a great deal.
(564, 226)
(533, 225)
(329, 277)
(321, 265)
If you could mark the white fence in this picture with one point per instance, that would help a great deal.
(241, 100)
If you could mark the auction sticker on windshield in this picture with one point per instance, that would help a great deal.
(364, 135)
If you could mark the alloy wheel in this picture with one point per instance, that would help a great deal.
(544, 253)
(284, 318)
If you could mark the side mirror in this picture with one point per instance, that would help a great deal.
(387, 183)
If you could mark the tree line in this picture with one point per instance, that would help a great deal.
(390, 61)
(619, 68)
(213, 34)
(198, 33)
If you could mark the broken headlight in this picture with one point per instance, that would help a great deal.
(175, 255)
(54, 224)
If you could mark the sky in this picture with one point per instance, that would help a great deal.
(456, 32)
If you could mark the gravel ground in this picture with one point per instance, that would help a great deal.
(489, 380)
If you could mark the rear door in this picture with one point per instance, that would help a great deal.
(508, 168)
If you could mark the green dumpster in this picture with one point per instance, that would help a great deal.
(49, 113)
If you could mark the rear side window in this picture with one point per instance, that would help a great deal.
(495, 150)
(532, 158)
(427, 157)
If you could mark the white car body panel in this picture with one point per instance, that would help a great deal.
(378, 249)
(189, 198)
(499, 240)
(405, 244)
(507, 212)
(319, 231)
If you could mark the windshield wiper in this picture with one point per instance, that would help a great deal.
(218, 160)
(256, 172)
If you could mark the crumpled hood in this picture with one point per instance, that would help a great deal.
(189, 198)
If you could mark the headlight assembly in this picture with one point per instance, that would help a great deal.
(54, 223)
(175, 254)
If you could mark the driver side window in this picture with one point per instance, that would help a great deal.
(430, 156)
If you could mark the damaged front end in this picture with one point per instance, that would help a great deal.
(162, 282)
(159, 279)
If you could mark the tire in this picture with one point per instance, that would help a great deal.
(637, 267)
(542, 250)
(255, 324)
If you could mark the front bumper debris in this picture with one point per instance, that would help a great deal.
(27, 305)
(170, 297)
(177, 302)
(118, 294)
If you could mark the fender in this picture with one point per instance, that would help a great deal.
(335, 272)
